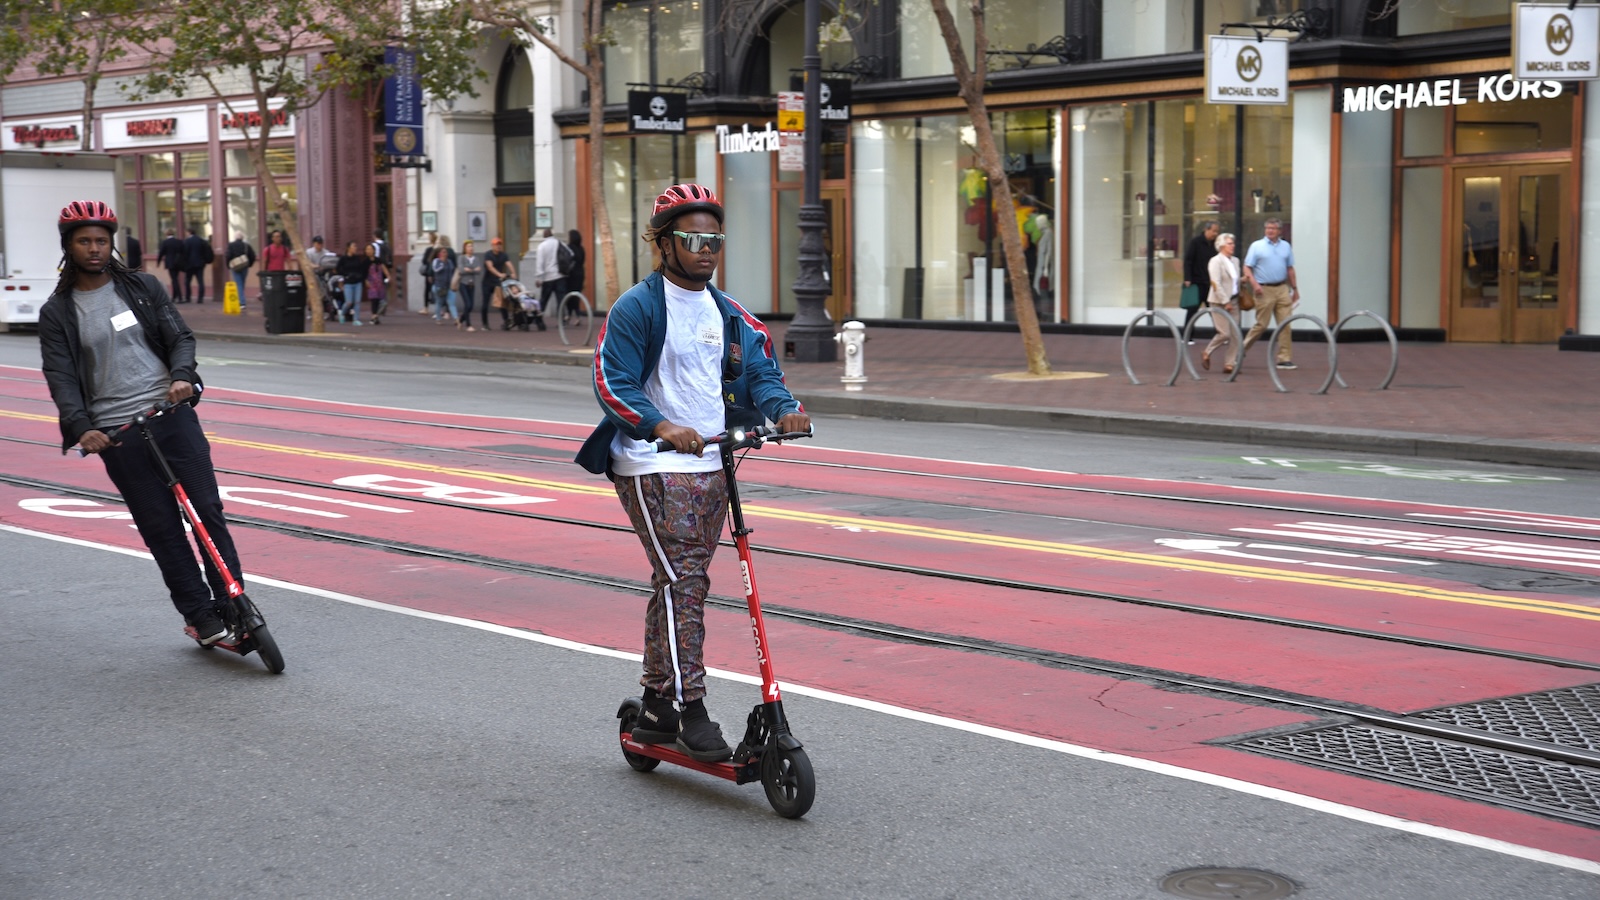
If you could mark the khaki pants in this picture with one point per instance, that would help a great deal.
(1274, 303)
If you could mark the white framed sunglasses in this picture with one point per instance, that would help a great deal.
(694, 241)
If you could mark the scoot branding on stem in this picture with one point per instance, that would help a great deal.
(1446, 92)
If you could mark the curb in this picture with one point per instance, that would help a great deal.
(837, 402)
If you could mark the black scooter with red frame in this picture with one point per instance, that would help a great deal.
(247, 630)
(768, 752)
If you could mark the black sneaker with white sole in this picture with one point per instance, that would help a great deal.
(1287, 365)
(699, 737)
(208, 627)
(658, 719)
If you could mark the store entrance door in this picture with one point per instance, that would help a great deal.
(515, 215)
(836, 247)
(1507, 282)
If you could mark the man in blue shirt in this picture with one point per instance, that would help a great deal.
(1270, 268)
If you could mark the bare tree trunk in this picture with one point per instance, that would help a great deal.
(91, 80)
(597, 190)
(971, 85)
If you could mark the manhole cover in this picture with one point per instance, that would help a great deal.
(1253, 884)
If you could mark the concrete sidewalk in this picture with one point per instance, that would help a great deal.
(1528, 404)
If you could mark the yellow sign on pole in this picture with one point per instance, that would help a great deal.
(791, 120)
(230, 299)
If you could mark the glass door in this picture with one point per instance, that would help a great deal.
(515, 216)
(1506, 279)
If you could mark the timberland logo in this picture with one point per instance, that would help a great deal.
(1248, 63)
(1558, 34)
(658, 106)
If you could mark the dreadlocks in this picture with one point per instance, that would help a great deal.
(125, 277)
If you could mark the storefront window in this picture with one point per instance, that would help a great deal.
(1011, 25)
(160, 216)
(196, 164)
(516, 159)
(747, 195)
(1136, 202)
(926, 241)
(197, 211)
(1429, 16)
(244, 214)
(280, 160)
(1233, 12)
(655, 42)
(1421, 210)
(291, 196)
(637, 170)
(1424, 131)
(1523, 125)
(158, 166)
(1150, 28)
(239, 164)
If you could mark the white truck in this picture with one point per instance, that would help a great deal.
(34, 186)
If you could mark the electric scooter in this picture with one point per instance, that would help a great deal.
(768, 752)
(247, 630)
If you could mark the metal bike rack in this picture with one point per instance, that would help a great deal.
(1188, 332)
(1333, 352)
(1394, 346)
(1127, 335)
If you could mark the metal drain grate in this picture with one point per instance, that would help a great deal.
(1569, 717)
(1526, 783)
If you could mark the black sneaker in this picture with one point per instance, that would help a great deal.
(699, 737)
(658, 720)
(1287, 365)
(208, 627)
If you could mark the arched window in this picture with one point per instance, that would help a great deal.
(513, 122)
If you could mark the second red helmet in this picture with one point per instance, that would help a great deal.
(684, 198)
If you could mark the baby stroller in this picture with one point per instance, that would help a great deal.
(332, 286)
(524, 306)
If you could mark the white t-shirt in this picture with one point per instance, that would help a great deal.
(686, 387)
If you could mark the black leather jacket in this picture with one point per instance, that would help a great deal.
(63, 354)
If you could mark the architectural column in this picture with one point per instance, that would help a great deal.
(550, 167)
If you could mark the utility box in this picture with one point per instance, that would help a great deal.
(34, 187)
(283, 300)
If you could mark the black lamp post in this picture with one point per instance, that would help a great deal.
(810, 335)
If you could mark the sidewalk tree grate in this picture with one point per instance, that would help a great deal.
(1569, 717)
(1526, 783)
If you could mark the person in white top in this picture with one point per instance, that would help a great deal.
(547, 277)
(679, 361)
(1224, 298)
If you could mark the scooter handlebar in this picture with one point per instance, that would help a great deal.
(741, 438)
(161, 408)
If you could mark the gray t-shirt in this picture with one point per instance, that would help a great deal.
(124, 374)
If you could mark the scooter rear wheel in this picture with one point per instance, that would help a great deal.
(268, 648)
(786, 775)
(625, 726)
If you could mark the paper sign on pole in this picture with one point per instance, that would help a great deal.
(1549, 40)
(1246, 70)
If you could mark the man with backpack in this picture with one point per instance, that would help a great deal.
(553, 261)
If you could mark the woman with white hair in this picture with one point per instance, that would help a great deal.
(1224, 272)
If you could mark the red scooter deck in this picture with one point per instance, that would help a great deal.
(738, 774)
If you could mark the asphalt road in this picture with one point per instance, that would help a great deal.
(402, 757)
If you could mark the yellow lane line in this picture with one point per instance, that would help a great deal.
(1525, 604)
(32, 417)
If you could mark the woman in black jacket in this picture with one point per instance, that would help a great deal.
(353, 266)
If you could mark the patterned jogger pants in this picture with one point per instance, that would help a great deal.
(678, 517)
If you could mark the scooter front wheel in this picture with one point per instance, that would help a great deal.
(268, 648)
(625, 723)
(786, 775)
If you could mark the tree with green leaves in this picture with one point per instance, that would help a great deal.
(514, 17)
(254, 56)
(64, 37)
(970, 81)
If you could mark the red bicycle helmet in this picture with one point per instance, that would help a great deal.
(684, 198)
(86, 212)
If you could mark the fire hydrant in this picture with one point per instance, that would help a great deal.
(854, 339)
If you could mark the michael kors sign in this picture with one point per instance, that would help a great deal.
(1246, 70)
(1549, 40)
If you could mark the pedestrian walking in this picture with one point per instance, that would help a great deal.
(377, 282)
(547, 277)
(134, 252)
(1269, 265)
(241, 256)
(672, 350)
(113, 346)
(353, 266)
(1224, 279)
(172, 257)
(1197, 269)
(197, 254)
(469, 268)
(497, 269)
(444, 292)
(275, 258)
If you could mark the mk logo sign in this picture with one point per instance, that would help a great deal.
(1248, 63)
(1558, 34)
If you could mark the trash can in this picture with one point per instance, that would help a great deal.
(283, 299)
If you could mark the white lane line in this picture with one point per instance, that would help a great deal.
(1132, 762)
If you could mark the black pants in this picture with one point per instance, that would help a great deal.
(198, 276)
(179, 294)
(155, 510)
(556, 289)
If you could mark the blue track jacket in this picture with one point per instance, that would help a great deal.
(631, 340)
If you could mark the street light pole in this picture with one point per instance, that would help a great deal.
(810, 335)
